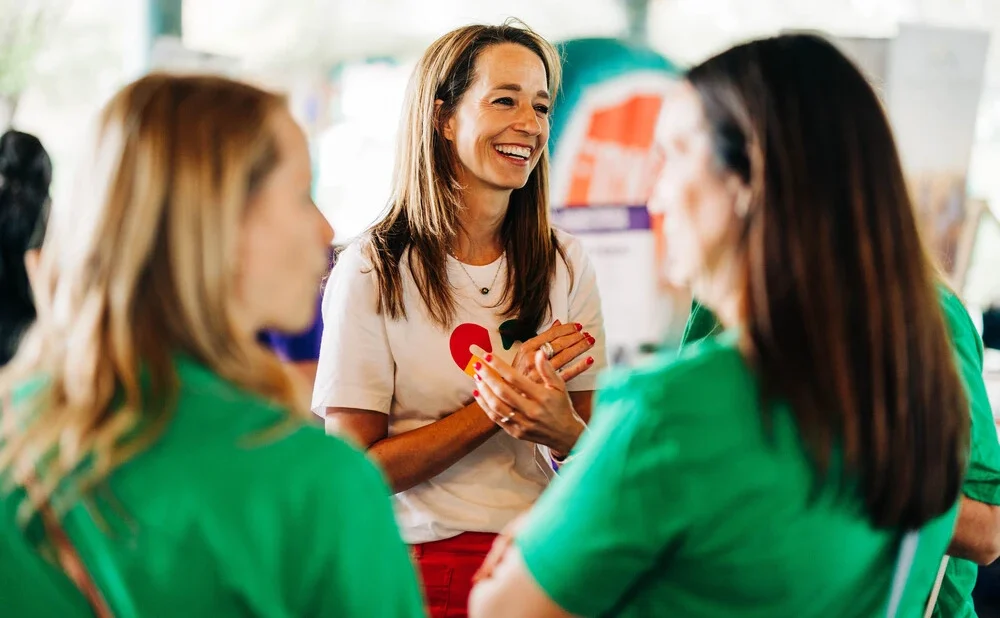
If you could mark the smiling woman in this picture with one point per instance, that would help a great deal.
(464, 266)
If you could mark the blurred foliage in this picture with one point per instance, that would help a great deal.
(23, 29)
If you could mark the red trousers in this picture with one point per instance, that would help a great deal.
(447, 568)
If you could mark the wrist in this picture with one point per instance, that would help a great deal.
(561, 451)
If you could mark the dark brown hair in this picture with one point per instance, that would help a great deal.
(422, 220)
(842, 316)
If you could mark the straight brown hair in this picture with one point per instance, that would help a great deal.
(841, 300)
(422, 219)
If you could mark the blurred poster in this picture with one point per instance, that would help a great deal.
(602, 128)
(603, 171)
(933, 87)
(931, 81)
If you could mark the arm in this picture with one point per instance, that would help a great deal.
(413, 457)
(977, 533)
(512, 591)
(599, 526)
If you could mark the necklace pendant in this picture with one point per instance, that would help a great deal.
(484, 291)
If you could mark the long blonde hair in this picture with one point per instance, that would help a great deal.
(138, 267)
(423, 216)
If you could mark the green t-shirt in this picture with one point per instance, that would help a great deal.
(235, 511)
(982, 479)
(681, 503)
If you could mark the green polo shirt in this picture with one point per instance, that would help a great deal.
(234, 511)
(982, 480)
(680, 502)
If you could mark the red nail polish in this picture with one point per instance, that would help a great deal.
(591, 340)
(475, 393)
(489, 357)
(477, 366)
(478, 377)
(590, 360)
(579, 327)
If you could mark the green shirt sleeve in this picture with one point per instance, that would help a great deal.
(357, 562)
(982, 479)
(701, 324)
(593, 534)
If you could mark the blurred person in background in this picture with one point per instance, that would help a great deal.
(151, 457)
(25, 175)
(807, 462)
(463, 267)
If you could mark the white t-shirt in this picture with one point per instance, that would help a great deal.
(418, 373)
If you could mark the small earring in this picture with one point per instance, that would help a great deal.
(742, 206)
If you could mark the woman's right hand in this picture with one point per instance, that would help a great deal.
(568, 341)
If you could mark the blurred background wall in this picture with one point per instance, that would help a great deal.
(344, 65)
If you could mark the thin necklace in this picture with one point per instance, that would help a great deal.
(483, 291)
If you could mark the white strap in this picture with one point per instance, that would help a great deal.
(904, 562)
(932, 601)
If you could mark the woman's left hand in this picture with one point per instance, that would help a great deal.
(539, 413)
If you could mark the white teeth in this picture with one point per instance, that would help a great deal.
(518, 151)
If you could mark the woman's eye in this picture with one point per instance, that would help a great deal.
(504, 101)
(542, 109)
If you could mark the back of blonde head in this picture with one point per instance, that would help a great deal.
(139, 266)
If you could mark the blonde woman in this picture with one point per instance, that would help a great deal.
(463, 268)
(150, 458)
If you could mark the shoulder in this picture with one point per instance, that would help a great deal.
(572, 249)
(330, 460)
(208, 398)
(700, 377)
(964, 336)
(352, 277)
(955, 314)
(354, 256)
(268, 438)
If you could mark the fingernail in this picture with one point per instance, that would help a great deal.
(475, 393)
(590, 360)
(591, 340)
(587, 335)
(489, 358)
(579, 327)
(478, 377)
(478, 366)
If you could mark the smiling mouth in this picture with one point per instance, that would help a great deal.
(516, 153)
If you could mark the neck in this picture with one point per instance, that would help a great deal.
(478, 240)
(722, 293)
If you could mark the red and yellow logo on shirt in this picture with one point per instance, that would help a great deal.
(462, 338)
(468, 334)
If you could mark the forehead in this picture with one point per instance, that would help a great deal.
(290, 140)
(681, 113)
(510, 63)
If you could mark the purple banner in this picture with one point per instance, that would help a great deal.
(601, 219)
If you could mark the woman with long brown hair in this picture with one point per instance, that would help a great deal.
(463, 267)
(807, 463)
(151, 458)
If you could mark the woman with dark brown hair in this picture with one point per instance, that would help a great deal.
(807, 462)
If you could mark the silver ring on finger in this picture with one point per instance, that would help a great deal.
(548, 350)
(508, 418)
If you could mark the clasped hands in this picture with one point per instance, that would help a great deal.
(528, 398)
